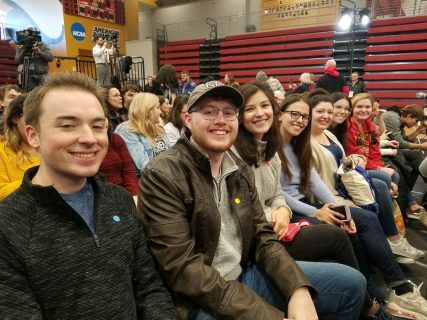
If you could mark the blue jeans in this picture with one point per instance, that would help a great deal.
(384, 176)
(375, 245)
(385, 207)
(381, 175)
(341, 290)
(370, 246)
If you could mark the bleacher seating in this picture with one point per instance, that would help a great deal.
(395, 65)
(8, 67)
(396, 62)
(184, 55)
(284, 54)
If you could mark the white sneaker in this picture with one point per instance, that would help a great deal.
(399, 313)
(404, 249)
(404, 260)
(412, 301)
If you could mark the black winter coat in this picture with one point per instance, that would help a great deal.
(53, 267)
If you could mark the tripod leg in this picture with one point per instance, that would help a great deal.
(24, 74)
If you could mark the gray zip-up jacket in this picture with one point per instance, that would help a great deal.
(53, 267)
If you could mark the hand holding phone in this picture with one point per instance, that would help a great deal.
(345, 214)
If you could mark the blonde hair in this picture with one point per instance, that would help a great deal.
(306, 78)
(139, 116)
(354, 101)
(361, 96)
(11, 137)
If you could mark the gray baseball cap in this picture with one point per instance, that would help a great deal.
(214, 87)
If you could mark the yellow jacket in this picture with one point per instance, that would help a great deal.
(10, 173)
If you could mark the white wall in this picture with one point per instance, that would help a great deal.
(199, 10)
(145, 21)
(187, 21)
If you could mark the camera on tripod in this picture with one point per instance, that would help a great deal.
(114, 40)
(28, 38)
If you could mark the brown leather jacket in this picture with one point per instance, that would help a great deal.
(182, 224)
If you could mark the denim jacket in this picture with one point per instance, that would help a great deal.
(140, 148)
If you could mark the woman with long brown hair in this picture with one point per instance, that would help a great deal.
(299, 117)
(257, 143)
(175, 126)
(166, 83)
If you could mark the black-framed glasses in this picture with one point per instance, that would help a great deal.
(210, 113)
(296, 115)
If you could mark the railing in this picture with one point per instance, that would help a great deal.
(252, 21)
(124, 69)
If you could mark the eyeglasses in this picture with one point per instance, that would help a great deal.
(296, 115)
(210, 113)
(342, 108)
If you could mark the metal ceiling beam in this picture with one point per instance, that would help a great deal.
(168, 3)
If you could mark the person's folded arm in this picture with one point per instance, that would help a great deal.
(392, 124)
(135, 147)
(277, 198)
(299, 207)
(129, 176)
(319, 189)
(98, 51)
(46, 53)
(271, 256)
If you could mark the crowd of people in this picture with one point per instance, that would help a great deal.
(210, 201)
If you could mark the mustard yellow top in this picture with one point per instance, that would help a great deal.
(10, 173)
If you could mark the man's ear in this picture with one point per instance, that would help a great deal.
(188, 120)
(32, 136)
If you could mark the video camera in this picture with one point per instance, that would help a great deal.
(28, 38)
(114, 40)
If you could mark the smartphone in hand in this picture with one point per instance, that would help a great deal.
(345, 211)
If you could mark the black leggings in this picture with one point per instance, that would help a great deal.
(322, 242)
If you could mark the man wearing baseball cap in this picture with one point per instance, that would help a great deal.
(207, 231)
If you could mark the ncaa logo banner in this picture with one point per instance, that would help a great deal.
(78, 31)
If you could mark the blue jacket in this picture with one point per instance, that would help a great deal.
(140, 148)
(188, 88)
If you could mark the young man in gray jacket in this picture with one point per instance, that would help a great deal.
(70, 244)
